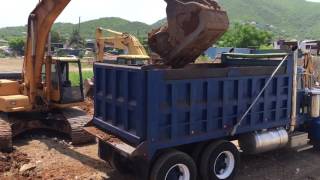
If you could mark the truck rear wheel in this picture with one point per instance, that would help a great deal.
(174, 165)
(220, 161)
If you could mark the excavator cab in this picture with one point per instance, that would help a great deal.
(66, 81)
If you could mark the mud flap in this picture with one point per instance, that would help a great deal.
(117, 144)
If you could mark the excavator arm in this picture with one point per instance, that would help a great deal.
(192, 27)
(40, 22)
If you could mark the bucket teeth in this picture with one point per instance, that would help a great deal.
(193, 26)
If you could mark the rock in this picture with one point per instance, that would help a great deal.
(3, 158)
(38, 162)
(27, 167)
(104, 177)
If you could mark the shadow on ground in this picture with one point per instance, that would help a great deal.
(59, 142)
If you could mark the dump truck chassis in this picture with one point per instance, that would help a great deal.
(68, 121)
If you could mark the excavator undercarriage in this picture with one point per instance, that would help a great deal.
(69, 122)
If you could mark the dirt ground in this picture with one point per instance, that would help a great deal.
(11, 64)
(15, 65)
(42, 155)
(54, 159)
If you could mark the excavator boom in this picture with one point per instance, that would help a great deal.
(193, 26)
(40, 22)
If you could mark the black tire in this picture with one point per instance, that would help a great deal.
(120, 163)
(215, 154)
(165, 166)
(197, 152)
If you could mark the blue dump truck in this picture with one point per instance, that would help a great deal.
(192, 123)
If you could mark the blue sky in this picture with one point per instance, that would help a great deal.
(15, 12)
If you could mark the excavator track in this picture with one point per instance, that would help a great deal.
(77, 119)
(5, 133)
(70, 121)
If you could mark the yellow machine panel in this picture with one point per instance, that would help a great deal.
(9, 87)
(14, 103)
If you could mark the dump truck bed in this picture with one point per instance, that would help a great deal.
(164, 108)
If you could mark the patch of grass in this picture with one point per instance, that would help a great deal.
(84, 65)
(75, 78)
(2, 55)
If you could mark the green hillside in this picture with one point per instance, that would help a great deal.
(296, 18)
(288, 18)
(87, 28)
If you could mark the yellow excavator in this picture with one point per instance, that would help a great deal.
(135, 52)
(44, 97)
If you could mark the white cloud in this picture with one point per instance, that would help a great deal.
(15, 12)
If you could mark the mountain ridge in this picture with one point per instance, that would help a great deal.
(294, 19)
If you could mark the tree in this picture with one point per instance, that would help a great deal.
(56, 37)
(17, 45)
(76, 40)
(244, 36)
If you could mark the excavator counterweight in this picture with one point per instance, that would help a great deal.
(193, 26)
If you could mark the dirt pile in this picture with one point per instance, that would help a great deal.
(87, 106)
(13, 165)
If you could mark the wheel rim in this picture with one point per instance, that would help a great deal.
(178, 172)
(224, 165)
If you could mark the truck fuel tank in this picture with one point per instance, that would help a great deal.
(260, 142)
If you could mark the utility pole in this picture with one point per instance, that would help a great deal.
(79, 26)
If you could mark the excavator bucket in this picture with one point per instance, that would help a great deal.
(193, 26)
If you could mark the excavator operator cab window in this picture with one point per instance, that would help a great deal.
(70, 77)
(54, 77)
